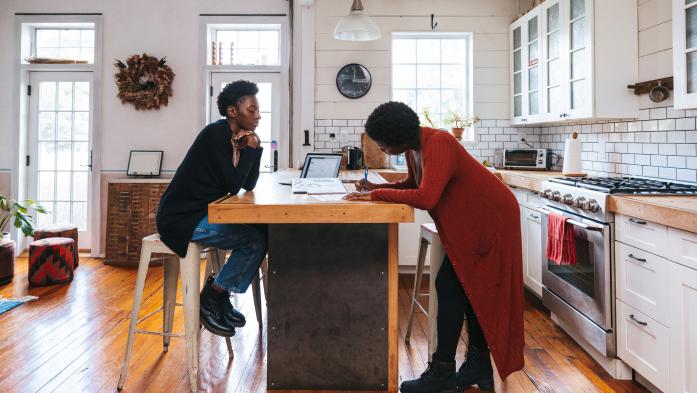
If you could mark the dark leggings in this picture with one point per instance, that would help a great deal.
(453, 306)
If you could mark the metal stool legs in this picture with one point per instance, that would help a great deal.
(417, 287)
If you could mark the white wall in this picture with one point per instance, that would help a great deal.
(158, 27)
(655, 44)
(487, 19)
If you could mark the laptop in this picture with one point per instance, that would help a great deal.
(319, 165)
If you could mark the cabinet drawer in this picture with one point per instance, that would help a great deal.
(643, 344)
(641, 234)
(642, 281)
(682, 247)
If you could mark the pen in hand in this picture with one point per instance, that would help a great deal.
(365, 179)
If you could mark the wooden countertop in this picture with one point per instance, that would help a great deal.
(273, 203)
(531, 180)
(670, 210)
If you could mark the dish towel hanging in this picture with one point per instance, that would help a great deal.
(561, 247)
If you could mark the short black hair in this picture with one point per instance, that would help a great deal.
(232, 92)
(394, 124)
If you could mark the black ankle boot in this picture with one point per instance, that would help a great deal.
(439, 377)
(212, 313)
(476, 370)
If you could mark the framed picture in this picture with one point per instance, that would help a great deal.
(145, 163)
(353, 81)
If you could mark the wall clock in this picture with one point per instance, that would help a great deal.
(353, 80)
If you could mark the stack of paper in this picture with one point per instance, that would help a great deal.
(330, 185)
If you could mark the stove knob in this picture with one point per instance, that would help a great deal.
(556, 196)
(547, 194)
(593, 206)
(579, 202)
(567, 199)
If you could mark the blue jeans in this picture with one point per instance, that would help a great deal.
(248, 245)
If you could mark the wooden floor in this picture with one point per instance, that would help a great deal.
(72, 338)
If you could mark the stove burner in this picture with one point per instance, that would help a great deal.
(629, 185)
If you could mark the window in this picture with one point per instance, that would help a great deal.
(433, 71)
(245, 44)
(77, 44)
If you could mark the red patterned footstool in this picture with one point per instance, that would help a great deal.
(7, 261)
(51, 261)
(60, 230)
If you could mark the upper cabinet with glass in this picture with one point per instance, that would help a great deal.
(566, 63)
(685, 53)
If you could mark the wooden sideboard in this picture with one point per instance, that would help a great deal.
(131, 211)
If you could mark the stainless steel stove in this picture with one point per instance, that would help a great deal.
(582, 295)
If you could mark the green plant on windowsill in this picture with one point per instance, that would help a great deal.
(458, 122)
(18, 213)
(428, 121)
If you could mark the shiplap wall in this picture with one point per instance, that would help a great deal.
(487, 19)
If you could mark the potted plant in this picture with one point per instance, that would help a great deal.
(427, 118)
(459, 122)
(18, 214)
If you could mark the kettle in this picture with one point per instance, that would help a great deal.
(355, 158)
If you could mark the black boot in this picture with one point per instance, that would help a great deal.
(439, 377)
(212, 313)
(476, 370)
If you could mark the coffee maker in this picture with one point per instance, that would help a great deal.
(355, 158)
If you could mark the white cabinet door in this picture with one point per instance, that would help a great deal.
(685, 53)
(577, 22)
(642, 234)
(531, 231)
(682, 247)
(643, 344)
(526, 68)
(642, 279)
(683, 328)
(554, 64)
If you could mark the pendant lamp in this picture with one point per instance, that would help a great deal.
(356, 26)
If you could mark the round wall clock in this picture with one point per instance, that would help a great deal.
(353, 80)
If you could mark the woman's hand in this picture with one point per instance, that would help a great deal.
(363, 185)
(245, 138)
(358, 196)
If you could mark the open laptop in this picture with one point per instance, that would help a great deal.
(319, 165)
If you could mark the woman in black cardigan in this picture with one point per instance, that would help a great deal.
(224, 158)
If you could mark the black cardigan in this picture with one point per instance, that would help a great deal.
(206, 174)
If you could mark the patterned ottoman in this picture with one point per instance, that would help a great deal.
(51, 261)
(60, 230)
(7, 261)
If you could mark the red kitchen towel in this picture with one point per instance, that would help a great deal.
(561, 247)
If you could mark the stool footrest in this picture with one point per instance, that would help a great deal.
(423, 310)
(150, 315)
(159, 333)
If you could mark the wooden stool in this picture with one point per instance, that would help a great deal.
(191, 288)
(7, 261)
(60, 230)
(429, 236)
(51, 261)
(215, 261)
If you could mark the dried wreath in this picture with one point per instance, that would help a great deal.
(146, 81)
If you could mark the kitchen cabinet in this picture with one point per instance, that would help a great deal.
(683, 328)
(531, 231)
(657, 302)
(565, 63)
(684, 54)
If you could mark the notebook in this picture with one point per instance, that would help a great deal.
(329, 185)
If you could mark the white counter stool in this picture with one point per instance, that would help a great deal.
(191, 288)
(429, 236)
(215, 261)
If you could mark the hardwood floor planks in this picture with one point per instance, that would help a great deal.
(72, 340)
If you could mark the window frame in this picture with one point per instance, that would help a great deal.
(468, 101)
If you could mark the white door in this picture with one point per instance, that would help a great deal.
(60, 134)
(269, 97)
(683, 328)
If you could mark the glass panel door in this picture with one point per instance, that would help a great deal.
(60, 148)
(691, 45)
(578, 54)
(517, 73)
(269, 98)
(533, 66)
(553, 61)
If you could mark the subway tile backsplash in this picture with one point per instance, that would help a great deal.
(661, 143)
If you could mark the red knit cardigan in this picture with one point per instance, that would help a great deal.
(478, 221)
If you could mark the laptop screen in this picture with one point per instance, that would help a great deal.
(318, 165)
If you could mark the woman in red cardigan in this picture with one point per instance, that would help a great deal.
(478, 222)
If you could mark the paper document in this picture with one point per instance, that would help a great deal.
(329, 197)
(329, 185)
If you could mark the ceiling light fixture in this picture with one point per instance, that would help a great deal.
(356, 26)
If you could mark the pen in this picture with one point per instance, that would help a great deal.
(365, 179)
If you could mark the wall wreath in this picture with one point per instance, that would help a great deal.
(144, 81)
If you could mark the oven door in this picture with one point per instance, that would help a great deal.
(586, 286)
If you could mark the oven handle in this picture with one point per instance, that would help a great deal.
(576, 223)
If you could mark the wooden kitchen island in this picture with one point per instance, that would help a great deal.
(332, 301)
